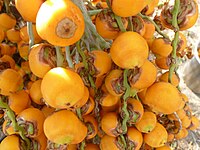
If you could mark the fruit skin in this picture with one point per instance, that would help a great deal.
(7, 22)
(110, 124)
(135, 136)
(62, 88)
(11, 142)
(195, 123)
(147, 122)
(161, 47)
(108, 143)
(127, 8)
(67, 128)
(90, 120)
(62, 19)
(28, 9)
(126, 54)
(163, 97)
(157, 137)
(92, 147)
(175, 78)
(146, 76)
(10, 81)
(39, 63)
(35, 92)
(19, 101)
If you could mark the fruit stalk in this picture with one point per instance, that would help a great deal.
(68, 57)
(91, 38)
(59, 56)
(16, 127)
(30, 34)
(176, 38)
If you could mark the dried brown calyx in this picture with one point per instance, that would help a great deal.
(119, 143)
(117, 85)
(86, 107)
(91, 128)
(134, 75)
(47, 55)
(107, 17)
(187, 9)
(54, 146)
(35, 145)
(30, 128)
(133, 115)
(138, 24)
(92, 69)
(66, 28)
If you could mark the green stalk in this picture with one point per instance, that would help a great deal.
(59, 57)
(30, 34)
(156, 26)
(130, 23)
(68, 57)
(120, 23)
(125, 97)
(17, 128)
(82, 55)
(176, 38)
(94, 12)
(91, 38)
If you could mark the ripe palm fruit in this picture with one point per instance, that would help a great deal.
(13, 35)
(126, 54)
(63, 127)
(35, 92)
(91, 146)
(6, 21)
(139, 79)
(114, 82)
(147, 122)
(163, 97)
(32, 120)
(109, 142)
(26, 9)
(157, 137)
(10, 81)
(127, 8)
(165, 147)
(41, 59)
(62, 19)
(11, 142)
(62, 88)
(195, 123)
(106, 24)
(161, 47)
(134, 138)
(99, 63)
(175, 78)
(19, 101)
(110, 124)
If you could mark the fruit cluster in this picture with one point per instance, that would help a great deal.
(83, 74)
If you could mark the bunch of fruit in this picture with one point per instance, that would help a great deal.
(80, 74)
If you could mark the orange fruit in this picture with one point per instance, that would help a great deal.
(126, 54)
(162, 97)
(62, 88)
(28, 9)
(62, 19)
(67, 128)
(157, 137)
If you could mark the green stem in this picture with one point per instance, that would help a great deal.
(30, 34)
(82, 55)
(130, 24)
(82, 147)
(17, 128)
(68, 57)
(120, 23)
(94, 12)
(91, 38)
(125, 97)
(59, 57)
(156, 26)
(176, 38)
(109, 5)
(78, 112)
(123, 141)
